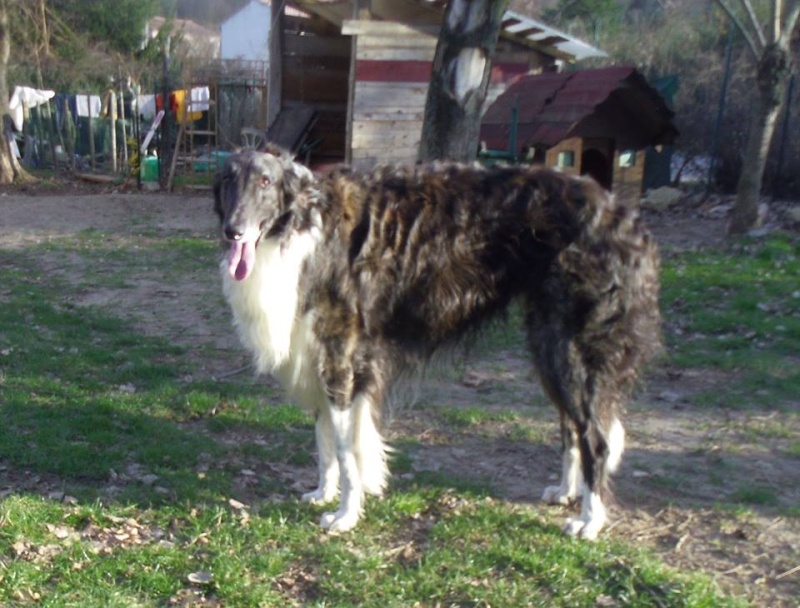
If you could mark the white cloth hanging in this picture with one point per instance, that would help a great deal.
(26, 97)
(199, 98)
(88, 105)
(147, 106)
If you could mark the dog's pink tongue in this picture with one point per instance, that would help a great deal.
(241, 256)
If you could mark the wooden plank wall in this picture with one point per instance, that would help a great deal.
(390, 85)
(628, 181)
(392, 73)
(574, 145)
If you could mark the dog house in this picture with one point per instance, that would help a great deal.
(595, 122)
(363, 68)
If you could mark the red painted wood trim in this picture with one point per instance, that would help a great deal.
(504, 72)
(375, 70)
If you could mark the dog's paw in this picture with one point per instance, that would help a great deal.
(319, 496)
(557, 495)
(339, 522)
(578, 527)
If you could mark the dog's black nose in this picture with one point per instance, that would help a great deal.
(232, 234)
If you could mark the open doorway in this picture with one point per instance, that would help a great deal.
(598, 165)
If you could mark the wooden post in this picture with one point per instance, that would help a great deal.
(275, 85)
(69, 136)
(175, 155)
(122, 125)
(28, 136)
(57, 132)
(359, 12)
(112, 119)
(91, 133)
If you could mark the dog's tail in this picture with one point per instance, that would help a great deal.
(616, 265)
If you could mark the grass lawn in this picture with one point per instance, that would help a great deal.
(131, 480)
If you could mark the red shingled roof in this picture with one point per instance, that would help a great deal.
(553, 107)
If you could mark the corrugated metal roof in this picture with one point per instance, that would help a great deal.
(550, 106)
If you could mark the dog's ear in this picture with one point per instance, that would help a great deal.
(296, 177)
(273, 149)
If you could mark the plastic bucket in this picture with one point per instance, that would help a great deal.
(149, 170)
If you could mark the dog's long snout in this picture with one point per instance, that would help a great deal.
(231, 233)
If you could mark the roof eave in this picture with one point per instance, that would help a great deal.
(576, 49)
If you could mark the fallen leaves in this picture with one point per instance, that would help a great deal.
(35, 553)
(112, 534)
(60, 532)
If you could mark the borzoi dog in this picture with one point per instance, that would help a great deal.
(341, 284)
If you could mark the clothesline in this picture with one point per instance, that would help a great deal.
(85, 106)
(198, 101)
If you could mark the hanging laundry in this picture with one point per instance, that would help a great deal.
(8, 132)
(178, 103)
(199, 99)
(72, 105)
(88, 105)
(60, 104)
(173, 102)
(147, 106)
(82, 105)
(95, 105)
(26, 97)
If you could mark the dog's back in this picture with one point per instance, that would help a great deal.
(431, 252)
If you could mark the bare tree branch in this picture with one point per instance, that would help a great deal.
(748, 8)
(740, 26)
(45, 35)
(776, 12)
(790, 24)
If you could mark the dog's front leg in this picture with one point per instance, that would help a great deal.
(343, 430)
(328, 462)
(571, 484)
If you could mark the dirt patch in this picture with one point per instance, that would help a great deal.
(35, 219)
(680, 486)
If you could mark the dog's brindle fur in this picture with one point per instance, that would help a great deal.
(382, 270)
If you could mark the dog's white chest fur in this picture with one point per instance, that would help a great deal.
(268, 320)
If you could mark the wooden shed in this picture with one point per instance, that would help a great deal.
(597, 122)
(363, 67)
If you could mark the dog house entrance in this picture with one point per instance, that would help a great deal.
(598, 165)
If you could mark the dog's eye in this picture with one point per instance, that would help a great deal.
(265, 181)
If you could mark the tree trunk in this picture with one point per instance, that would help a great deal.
(9, 167)
(773, 71)
(6, 158)
(460, 76)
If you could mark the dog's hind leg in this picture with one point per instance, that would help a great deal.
(361, 456)
(571, 484)
(371, 451)
(595, 451)
(591, 431)
(328, 462)
(583, 455)
(601, 441)
(343, 431)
